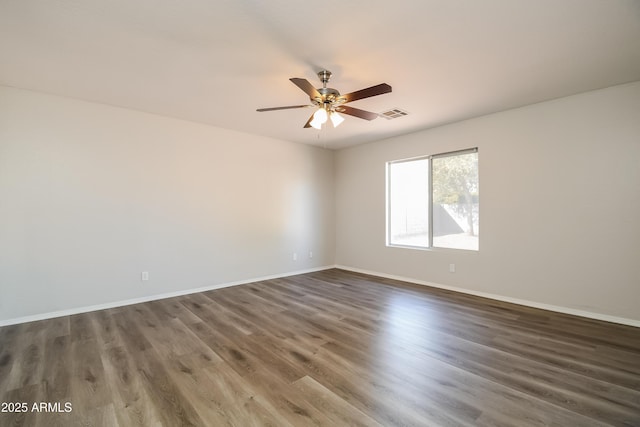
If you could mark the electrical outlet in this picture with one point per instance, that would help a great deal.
(145, 276)
(310, 254)
(452, 268)
(295, 256)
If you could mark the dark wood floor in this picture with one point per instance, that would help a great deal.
(330, 348)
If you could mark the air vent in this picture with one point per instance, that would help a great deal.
(393, 114)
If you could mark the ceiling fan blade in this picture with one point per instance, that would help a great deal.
(306, 87)
(308, 124)
(356, 112)
(366, 93)
(283, 108)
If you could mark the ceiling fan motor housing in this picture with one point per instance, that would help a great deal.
(330, 96)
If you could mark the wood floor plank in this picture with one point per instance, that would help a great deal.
(173, 408)
(26, 359)
(129, 331)
(525, 374)
(328, 348)
(88, 386)
(346, 382)
(57, 375)
(288, 405)
(332, 406)
(106, 329)
(411, 375)
(80, 327)
(172, 309)
(131, 402)
(205, 395)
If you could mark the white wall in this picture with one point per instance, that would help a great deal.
(91, 196)
(559, 204)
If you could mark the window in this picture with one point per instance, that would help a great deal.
(433, 201)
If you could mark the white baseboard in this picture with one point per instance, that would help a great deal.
(78, 310)
(559, 309)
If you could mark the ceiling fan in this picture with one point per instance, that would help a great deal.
(330, 103)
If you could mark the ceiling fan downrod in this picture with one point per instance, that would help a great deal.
(324, 77)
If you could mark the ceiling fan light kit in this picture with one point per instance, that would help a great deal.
(330, 103)
(336, 119)
(319, 118)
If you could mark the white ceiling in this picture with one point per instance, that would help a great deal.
(216, 61)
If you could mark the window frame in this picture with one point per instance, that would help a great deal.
(430, 199)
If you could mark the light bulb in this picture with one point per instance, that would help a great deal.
(336, 119)
(320, 116)
(315, 124)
